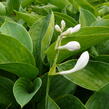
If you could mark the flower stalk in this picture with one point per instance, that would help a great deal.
(70, 46)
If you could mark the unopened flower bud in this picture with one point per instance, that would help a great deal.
(67, 32)
(71, 46)
(57, 28)
(76, 28)
(81, 63)
(63, 24)
(71, 30)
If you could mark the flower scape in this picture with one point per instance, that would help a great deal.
(72, 46)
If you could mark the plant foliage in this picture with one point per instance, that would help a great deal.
(36, 53)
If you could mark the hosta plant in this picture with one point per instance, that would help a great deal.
(54, 54)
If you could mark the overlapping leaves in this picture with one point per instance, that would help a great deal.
(87, 37)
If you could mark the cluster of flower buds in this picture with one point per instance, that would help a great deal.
(72, 46)
(68, 31)
(60, 29)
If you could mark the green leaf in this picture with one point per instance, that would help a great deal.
(60, 3)
(37, 35)
(101, 22)
(87, 37)
(2, 9)
(25, 3)
(52, 104)
(102, 48)
(69, 102)
(103, 10)
(24, 90)
(44, 9)
(85, 5)
(92, 77)
(19, 32)
(12, 5)
(61, 85)
(41, 95)
(100, 99)
(20, 69)
(12, 50)
(46, 40)
(2, 19)
(103, 58)
(41, 33)
(41, 1)
(86, 17)
(30, 19)
(14, 56)
(106, 16)
(6, 95)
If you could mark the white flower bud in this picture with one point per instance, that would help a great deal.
(67, 32)
(71, 30)
(81, 63)
(76, 28)
(71, 46)
(63, 24)
(57, 28)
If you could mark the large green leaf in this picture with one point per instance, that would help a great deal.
(12, 50)
(100, 99)
(52, 104)
(19, 32)
(15, 58)
(24, 90)
(6, 95)
(61, 85)
(70, 102)
(102, 48)
(87, 37)
(93, 77)
(86, 17)
(41, 33)
(28, 18)
(20, 69)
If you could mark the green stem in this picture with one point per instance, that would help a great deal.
(52, 70)
(58, 43)
(47, 92)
